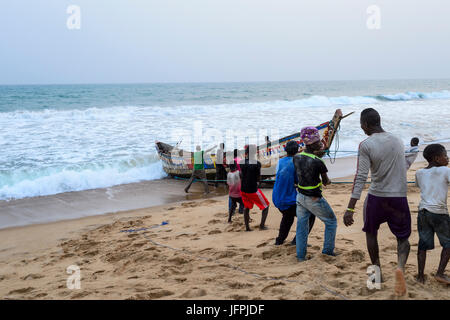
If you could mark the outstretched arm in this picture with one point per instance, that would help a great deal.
(210, 149)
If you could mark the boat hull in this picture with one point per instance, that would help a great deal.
(179, 163)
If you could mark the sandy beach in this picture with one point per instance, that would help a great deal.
(198, 255)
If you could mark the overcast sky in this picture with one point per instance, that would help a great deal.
(222, 40)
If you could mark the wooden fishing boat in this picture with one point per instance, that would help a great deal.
(179, 163)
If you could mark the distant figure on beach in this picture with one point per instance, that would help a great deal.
(234, 183)
(199, 169)
(433, 216)
(284, 195)
(383, 154)
(221, 172)
(312, 174)
(251, 195)
(412, 152)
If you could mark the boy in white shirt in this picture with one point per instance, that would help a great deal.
(433, 216)
(234, 183)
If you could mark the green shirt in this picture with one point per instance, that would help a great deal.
(198, 160)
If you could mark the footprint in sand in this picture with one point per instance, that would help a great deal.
(22, 290)
(214, 221)
(339, 284)
(216, 231)
(355, 256)
(194, 293)
(210, 201)
(190, 204)
(178, 260)
(262, 244)
(238, 297)
(271, 286)
(31, 276)
(296, 273)
(221, 214)
(225, 254)
(311, 294)
(271, 253)
(239, 285)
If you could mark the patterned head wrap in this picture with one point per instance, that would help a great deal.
(310, 135)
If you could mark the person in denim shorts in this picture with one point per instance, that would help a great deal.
(433, 216)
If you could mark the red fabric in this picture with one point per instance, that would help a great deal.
(257, 198)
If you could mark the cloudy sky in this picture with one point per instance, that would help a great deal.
(123, 41)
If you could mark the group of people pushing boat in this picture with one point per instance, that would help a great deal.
(300, 178)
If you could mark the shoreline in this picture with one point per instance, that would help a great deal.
(125, 197)
(132, 196)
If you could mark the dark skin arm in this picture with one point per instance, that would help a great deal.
(325, 180)
(348, 216)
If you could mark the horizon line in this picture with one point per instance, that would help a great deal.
(212, 82)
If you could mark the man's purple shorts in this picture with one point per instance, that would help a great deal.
(394, 211)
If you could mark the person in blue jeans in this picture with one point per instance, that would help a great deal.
(284, 195)
(312, 174)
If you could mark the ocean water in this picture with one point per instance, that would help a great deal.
(60, 138)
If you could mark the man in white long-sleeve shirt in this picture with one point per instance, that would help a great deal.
(382, 154)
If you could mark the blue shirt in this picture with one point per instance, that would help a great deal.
(284, 194)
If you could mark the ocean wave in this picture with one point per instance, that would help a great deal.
(445, 94)
(129, 112)
(66, 180)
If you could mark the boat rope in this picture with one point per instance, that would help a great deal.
(269, 180)
(336, 144)
(230, 266)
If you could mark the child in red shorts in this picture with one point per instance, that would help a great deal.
(251, 195)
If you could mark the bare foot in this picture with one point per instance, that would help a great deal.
(263, 228)
(420, 278)
(442, 278)
(400, 283)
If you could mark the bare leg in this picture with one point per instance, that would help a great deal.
(264, 214)
(372, 247)
(232, 208)
(402, 254)
(189, 184)
(440, 275)
(247, 219)
(421, 258)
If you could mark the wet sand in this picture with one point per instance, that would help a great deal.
(74, 205)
